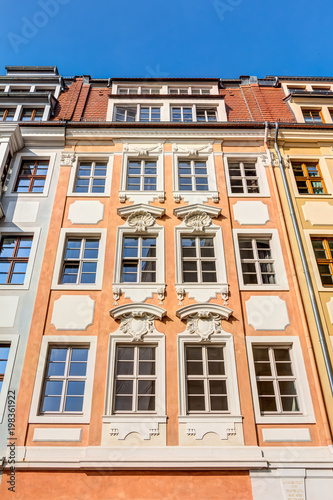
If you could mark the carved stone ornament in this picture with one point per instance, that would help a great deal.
(137, 324)
(204, 324)
(180, 295)
(161, 294)
(287, 161)
(197, 220)
(143, 151)
(208, 148)
(265, 160)
(67, 159)
(116, 295)
(140, 219)
(225, 294)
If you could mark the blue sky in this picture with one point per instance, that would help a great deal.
(198, 38)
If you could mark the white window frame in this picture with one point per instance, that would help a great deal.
(195, 196)
(138, 422)
(13, 341)
(201, 292)
(189, 89)
(303, 391)
(142, 175)
(26, 231)
(308, 233)
(138, 88)
(31, 154)
(74, 172)
(277, 257)
(261, 173)
(63, 418)
(66, 233)
(205, 109)
(233, 415)
(324, 171)
(198, 259)
(138, 111)
(193, 175)
(142, 196)
(140, 291)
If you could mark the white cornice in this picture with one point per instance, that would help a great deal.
(181, 212)
(186, 311)
(125, 212)
(137, 308)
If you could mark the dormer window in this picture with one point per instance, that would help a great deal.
(321, 89)
(7, 114)
(18, 90)
(314, 116)
(128, 90)
(150, 90)
(206, 115)
(178, 91)
(32, 114)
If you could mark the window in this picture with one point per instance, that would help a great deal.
(150, 90)
(313, 116)
(321, 89)
(150, 114)
(308, 178)
(275, 378)
(80, 261)
(192, 175)
(257, 261)
(91, 177)
(125, 114)
(32, 115)
(295, 89)
(178, 90)
(206, 115)
(141, 175)
(206, 381)
(135, 379)
(5, 171)
(18, 90)
(7, 114)
(65, 379)
(198, 260)
(32, 175)
(181, 114)
(200, 91)
(4, 354)
(323, 249)
(14, 257)
(139, 260)
(46, 90)
(243, 177)
(128, 90)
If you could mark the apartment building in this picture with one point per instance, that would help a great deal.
(170, 353)
(29, 168)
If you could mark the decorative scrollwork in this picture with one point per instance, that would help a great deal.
(137, 324)
(204, 324)
(197, 220)
(67, 159)
(140, 219)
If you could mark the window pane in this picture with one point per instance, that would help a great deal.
(74, 403)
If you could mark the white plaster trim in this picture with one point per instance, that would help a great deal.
(63, 418)
(186, 311)
(86, 212)
(139, 292)
(318, 213)
(280, 271)
(261, 162)
(146, 424)
(73, 312)
(330, 309)
(24, 231)
(56, 434)
(77, 232)
(195, 151)
(118, 312)
(251, 213)
(36, 154)
(208, 422)
(267, 312)
(90, 157)
(142, 151)
(306, 415)
(13, 341)
(201, 292)
(286, 435)
(8, 310)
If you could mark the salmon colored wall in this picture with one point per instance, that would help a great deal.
(171, 326)
(102, 485)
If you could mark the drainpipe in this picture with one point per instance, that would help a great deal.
(305, 265)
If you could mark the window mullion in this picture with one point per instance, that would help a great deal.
(65, 380)
(275, 380)
(139, 258)
(206, 381)
(199, 263)
(135, 402)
